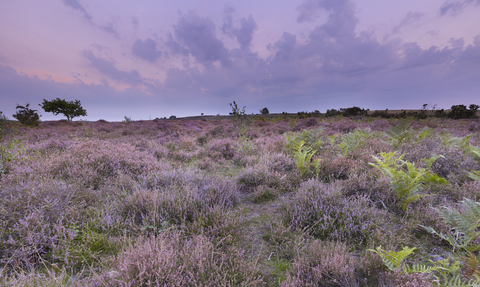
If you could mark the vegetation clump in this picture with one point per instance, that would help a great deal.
(27, 116)
(70, 109)
(283, 200)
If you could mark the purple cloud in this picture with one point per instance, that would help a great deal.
(341, 19)
(454, 7)
(411, 18)
(77, 6)
(244, 34)
(135, 23)
(146, 50)
(108, 68)
(110, 30)
(196, 35)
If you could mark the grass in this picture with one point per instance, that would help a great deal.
(191, 203)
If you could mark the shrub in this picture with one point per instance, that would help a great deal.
(324, 212)
(27, 116)
(170, 260)
(407, 185)
(264, 111)
(461, 112)
(323, 264)
(69, 109)
(353, 112)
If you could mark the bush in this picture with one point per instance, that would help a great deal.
(323, 264)
(461, 112)
(27, 116)
(264, 111)
(353, 112)
(69, 109)
(324, 212)
(170, 260)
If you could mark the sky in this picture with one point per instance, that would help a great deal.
(146, 59)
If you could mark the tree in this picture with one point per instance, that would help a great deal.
(69, 109)
(264, 111)
(27, 116)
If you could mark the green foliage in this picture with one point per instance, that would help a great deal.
(407, 184)
(303, 156)
(127, 119)
(236, 112)
(3, 125)
(353, 112)
(475, 175)
(443, 272)
(464, 226)
(402, 133)
(9, 151)
(393, 260)
(353, 141)
(461, 112)
(312, 138)
(264, 111)
(69, 109)
(27, 116)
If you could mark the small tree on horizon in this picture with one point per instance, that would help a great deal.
(69, 109)
(264, 111)
(27, 116)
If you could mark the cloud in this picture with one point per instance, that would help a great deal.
(411, 18)
(341, 19)
(135, 23)
(108, 68)
(244, 34)
(455, 7)
(146, 50)
(77, 6)
(285, 47)
(110, 30)
(196, 35)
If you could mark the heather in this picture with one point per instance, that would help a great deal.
(241, 201)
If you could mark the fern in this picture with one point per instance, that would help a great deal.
(392, 259)
(312, 138)
(475, 175)
(402, 133)
(303, 157)
(353, 141)
(471, 269)
(408, 184)
(464, 226)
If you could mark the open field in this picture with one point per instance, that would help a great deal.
(228, 201)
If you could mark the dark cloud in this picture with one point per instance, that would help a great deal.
(411, 18)
(77, 6)
(110, 30)
(196, 35)
(244, 34)
(341, 19)
(146, 50)
(135, 23)
(454, 7)
(285, 47)
(108, 68)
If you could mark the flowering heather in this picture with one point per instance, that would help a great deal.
(204, 202)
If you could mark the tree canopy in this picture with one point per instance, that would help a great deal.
(70, 109)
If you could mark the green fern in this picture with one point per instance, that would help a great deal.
(475, 175)
(408, 184)
(464, 226)
(402, 133)
(303, 157)
(393, 260)
(353, 141)
(456, 281)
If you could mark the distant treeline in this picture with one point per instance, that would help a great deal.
(455, 112)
